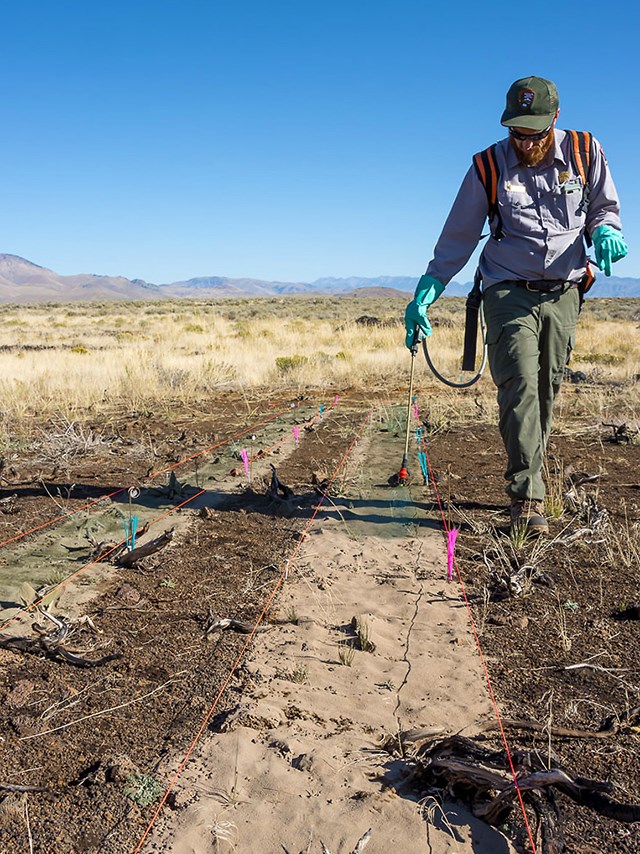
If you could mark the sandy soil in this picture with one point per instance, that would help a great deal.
(307, 745)
(301, 760)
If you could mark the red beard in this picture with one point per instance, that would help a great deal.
(537, 153)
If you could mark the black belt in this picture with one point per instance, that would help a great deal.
(543, 286)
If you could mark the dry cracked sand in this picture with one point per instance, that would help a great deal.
(300, 762)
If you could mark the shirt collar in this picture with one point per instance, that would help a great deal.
(558, 153)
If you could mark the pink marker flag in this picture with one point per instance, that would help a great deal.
(245, 460)
(335, 399)
(451, 544)
(416, 413)
(296, 434)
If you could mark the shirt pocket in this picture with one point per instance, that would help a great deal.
(569, 197)
(517, 208)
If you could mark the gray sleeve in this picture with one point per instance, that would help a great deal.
(604, 205)
(461, 231)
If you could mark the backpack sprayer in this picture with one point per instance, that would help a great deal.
(473, 313)
(488, 172)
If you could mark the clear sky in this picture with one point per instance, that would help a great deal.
(283, 140)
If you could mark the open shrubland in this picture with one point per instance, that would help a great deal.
(77, 359)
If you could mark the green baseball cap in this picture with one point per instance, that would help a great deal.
(531, 103)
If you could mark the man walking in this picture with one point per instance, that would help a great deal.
(546, 191)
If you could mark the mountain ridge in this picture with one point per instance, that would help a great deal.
(23, 281)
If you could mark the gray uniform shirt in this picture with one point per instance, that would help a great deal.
(543, 226)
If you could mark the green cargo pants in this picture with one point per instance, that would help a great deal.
(529, 339)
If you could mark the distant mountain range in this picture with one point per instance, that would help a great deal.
(22, 281)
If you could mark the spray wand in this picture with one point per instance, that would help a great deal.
(401, 478)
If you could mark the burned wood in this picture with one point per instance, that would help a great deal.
(129, 559)
(621, 433)
(53, 650)
(508, 578)
(534, 726)
(609, 727)
(8, 504)
(629, 718)
(78, 661)
(51, 645)
(107, 548)
(277, 489)
(214, 624)
(482, 777)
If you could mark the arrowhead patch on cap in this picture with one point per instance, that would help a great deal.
(526, 98)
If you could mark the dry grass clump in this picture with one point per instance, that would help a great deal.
(66, 360)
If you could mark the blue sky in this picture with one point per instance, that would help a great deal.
(280, 140)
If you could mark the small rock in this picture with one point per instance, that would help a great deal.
(128, 595)
(118, 768)
(281, 747)
(182, 799)
(304, 762)
(20, 693)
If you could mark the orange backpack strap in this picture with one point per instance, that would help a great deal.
(581, 152)
(487, 171)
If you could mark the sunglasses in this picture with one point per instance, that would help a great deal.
(533, 137)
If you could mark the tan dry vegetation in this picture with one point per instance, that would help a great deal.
(70, 360)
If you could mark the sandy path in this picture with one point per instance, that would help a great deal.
(299, 763)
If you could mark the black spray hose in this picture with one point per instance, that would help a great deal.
(483, 363)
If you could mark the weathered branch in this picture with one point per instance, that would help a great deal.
(51, 645)
(130, 559)
(484, 779)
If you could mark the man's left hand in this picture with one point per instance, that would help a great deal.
(609, 246)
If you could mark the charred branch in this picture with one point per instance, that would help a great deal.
(129, 559)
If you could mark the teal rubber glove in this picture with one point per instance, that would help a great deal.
(427, 292)
(609, 246)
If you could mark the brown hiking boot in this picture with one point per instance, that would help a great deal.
(525, 511)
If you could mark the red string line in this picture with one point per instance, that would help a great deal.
(482, 659)
(283, 575)
(82, 569)
(149, 479)
(97, 560)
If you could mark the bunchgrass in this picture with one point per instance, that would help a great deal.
(346, 653)
(69, 363)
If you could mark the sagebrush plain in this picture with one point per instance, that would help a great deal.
(80, 360)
